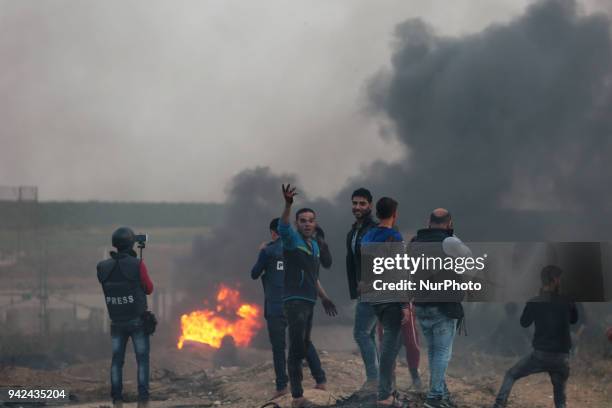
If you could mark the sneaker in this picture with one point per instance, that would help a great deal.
(118, 403)
(449, 403)
(321, 386)
(434, 403)
(280, 393)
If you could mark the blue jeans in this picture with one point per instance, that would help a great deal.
(277, 329)
(364, 333)
(120, 333)
(439, 332)
(390, 316)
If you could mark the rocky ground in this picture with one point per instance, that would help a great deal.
(187, 378)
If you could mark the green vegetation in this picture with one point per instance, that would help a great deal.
(83, 229)
(99, 214)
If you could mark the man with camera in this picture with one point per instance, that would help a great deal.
(126, 284)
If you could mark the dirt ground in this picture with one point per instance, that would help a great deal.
(187, 378)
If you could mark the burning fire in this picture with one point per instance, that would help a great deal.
(231, 317)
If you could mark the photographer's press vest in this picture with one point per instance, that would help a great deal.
(123, 292)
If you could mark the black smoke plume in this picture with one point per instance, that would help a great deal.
(515, 117)
(228, 251)
(509, 128)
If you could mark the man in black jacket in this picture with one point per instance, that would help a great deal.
(364, 331)
(361, 200)
(552, 316)
(439, 319)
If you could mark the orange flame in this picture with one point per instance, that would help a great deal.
(209, 326)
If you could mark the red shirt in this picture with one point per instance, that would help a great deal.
(145, 281)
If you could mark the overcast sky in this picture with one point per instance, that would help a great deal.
(167, 101)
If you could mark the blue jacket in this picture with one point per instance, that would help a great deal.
(270, 268)
(382, 234)
(301, 265)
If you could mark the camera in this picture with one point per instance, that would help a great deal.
(141, 240)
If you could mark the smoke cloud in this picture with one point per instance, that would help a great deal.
(229, 251)
(136, 100)
(513, 117)
(508, 127)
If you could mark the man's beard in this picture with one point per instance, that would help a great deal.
(363, 214)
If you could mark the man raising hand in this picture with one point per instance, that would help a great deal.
(301, 253)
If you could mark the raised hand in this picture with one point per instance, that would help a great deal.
(319, 234)
(288, 193)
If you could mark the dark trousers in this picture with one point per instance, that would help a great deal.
(277, 330)
(299, 320)
(410, 340)
(120, 333)
(390, 317)
(555, 364)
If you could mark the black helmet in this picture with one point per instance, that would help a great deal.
(123, 238)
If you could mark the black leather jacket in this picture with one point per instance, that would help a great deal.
(353, 264)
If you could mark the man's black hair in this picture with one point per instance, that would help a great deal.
(438, 220)
(362, 192)
(274, 225)
(304, 210)
(385, 208)
(549, 274)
